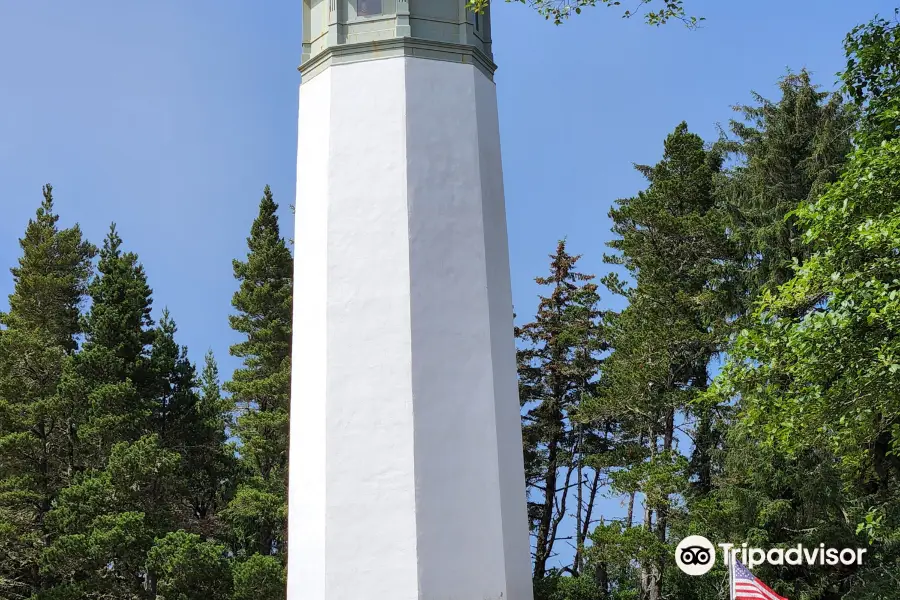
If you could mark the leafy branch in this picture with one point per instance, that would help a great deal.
(660, 11)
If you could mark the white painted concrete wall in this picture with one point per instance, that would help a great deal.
(406, 457)
(516, 543)
(306, 486)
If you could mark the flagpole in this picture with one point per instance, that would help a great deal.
(730, 575)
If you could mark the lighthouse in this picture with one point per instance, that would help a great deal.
(406, 470)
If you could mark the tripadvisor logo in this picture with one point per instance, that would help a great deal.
(696, 555)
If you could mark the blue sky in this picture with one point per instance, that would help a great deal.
(169, 117)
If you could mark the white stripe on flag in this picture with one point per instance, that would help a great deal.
(751, 589)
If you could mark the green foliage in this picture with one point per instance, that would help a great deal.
(788, 152)
(558, 361)
(187, 568)
(115, 463)
(172, 386)
(209, 460)
(818, 365)
(51, 279)
(660, 11)
(558, 587)
(105, 385)
(261, 387)
(104, 524)
(259, 577)
(816, 369)
(256, 518)
(672, 240)
(872, 77)
(36, 337)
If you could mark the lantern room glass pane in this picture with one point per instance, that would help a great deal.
(368, 8)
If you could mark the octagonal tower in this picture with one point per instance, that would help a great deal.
(406, 474)
(339, 31)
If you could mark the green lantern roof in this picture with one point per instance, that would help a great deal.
(336, 31)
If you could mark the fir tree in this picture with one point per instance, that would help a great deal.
(174, 398)
(672, 239)
(108, 384)
(788, 152)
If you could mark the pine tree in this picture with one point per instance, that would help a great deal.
(190, 568)
(51, 279)
(558, 362)
(261, 387)
(105, 524)
(39, 332)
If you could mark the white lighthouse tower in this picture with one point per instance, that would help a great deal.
(406, 474)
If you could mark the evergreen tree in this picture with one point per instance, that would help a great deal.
(173, 381)
(261, 387)
(816, 370)
(189, 568)
(209, 459)
(124, 478)
(193, 425)
(38, 333)
(51, 279)
(154, 450)
(788, 151)
(108, 384)
(259, 577)
(104, 525)
(558, 363)
(672, 239)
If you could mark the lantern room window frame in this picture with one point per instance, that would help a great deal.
(373, 8)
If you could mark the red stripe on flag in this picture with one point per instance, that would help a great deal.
(754, 590)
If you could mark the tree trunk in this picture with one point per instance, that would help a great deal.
(646, 568)
(560, 513)
(542, 550)
(662, 514)
(579, 538)
(629, 518)
(586, 526)
(601, 579)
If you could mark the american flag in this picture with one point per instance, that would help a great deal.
(745, 586)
